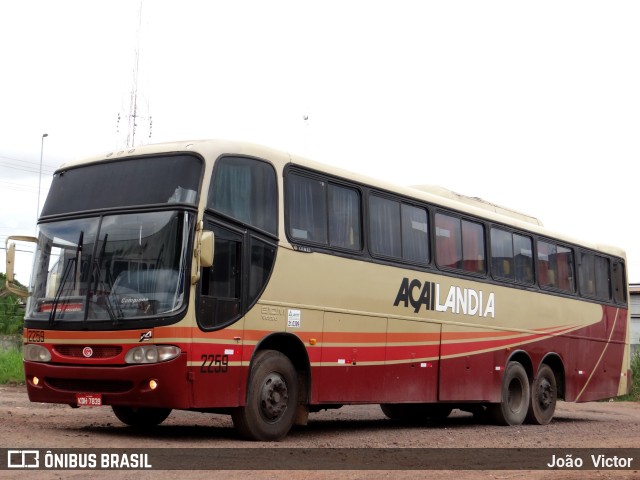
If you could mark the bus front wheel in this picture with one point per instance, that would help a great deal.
(544, 394)
(272, 398)
(513, 408)
(141, 417)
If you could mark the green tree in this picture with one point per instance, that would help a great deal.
(11, 310)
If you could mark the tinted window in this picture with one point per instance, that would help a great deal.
(619, 283)
(262, 258)
(448, 241)
(384, 220)
(124, 183)
(415, 234)
(459, 244)
(523, 258)
(344, 217)
(594, 276)
(511, 256)
(246, 190)
(555, 266)
(307, 205)
(221, 285)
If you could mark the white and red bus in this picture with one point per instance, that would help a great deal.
(230, 278)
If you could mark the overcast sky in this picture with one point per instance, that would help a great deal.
(532, 105)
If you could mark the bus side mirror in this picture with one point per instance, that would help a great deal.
(11, 262)
(206, 249)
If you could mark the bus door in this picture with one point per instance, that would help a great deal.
(217, 342)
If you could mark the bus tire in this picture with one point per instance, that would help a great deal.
(272, 398)
(141, 417)
(512, 410)
(544, 394)
(416, 412)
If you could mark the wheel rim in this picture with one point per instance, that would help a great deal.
(545, 394)
(274, 397)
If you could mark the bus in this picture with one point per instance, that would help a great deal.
(230, 278)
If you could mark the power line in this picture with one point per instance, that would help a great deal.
(37, 164)
(17, 186)
(27, 168)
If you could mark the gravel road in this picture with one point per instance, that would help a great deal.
(604, 425)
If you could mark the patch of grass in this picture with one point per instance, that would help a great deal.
(11, 368)
(634, 395)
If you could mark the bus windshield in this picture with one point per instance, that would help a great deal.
(112, 268)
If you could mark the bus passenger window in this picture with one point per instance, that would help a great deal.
(415, 234)
(459, 244)
(448, 241)
(473, 247)
(246, 189)
(384, 220)
(502, 254)
(586, 276)
(593, 274)
(307, 206)
(603, 279)
(619, 283)
(523, 258)
(344, 218)
(555, 266)
(511, 256)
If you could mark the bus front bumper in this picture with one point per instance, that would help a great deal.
(159, 385)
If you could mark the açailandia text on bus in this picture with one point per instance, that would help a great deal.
(465, 301)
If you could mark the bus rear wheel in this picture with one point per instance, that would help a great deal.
(513, 408)
(544, 394)
(272, 398)
(416, 412)
(141, 417)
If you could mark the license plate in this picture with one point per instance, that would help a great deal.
(89, 399)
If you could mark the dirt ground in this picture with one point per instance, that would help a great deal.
(604, 425)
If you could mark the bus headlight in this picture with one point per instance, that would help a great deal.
(151, 354)
(36, 353)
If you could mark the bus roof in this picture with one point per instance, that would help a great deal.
(430, 194)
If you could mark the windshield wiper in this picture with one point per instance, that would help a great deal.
(73, 262)
(107, 282)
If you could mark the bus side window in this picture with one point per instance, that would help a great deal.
(473, 247)
(586, 274)
(307, 207)
(344, 217)
(384, 227)
(594, 276)
(501, 254)
(220, 285)
(415, 234)
(619, 283)
(460, 244)
(448, 243)
(523, 258)
(556, 266)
